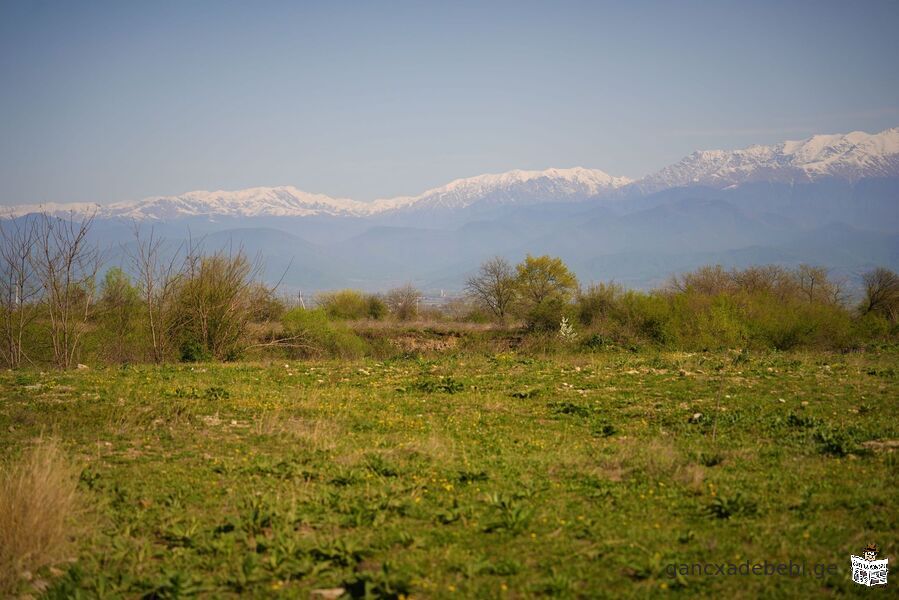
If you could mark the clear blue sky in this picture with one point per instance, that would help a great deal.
(105, 101)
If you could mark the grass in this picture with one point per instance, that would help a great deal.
(38, 510)
(499, 475)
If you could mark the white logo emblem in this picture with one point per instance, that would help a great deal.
(867, 570)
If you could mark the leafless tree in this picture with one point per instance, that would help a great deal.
(881, 293)
(157, 280)
(816, 286)
(403, 302)
(66, 265)
(493, 287)
(707, 280)
(19, 287)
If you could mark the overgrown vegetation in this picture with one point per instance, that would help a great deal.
(459, 475)
(188, 304)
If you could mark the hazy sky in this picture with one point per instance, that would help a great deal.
(104, 101)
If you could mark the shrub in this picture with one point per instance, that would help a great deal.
(311, 333)
(598, 302)
(119, 318)
(38, 506)
(344, 304)
(213, 304)
(375, 307)
(545, 316)
(648, 316)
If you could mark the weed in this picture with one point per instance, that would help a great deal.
(835, 442)
(737, 505)
(445, 385)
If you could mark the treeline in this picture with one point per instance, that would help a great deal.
(711, 308)
(59, 307)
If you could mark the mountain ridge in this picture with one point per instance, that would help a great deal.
(852, 156)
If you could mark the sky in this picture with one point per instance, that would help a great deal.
(111, 101)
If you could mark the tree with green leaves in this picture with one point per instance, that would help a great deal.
(120, 313)
(545, 287)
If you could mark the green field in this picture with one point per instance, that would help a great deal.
(581, 475)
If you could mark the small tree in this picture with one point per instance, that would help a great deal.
(816, 286)
(493, 287)
(19, 287)
(66, 265)
(545, 287)
(403, 302)
(120, 314)
(881, 294)
(157, 282)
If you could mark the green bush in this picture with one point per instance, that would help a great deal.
(598, 302)
(345, 304)
(546, 315)
(784, 325)
(311, 333)
(375, 307)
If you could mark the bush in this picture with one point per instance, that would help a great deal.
(117, 336)
(784, 325)
(213, 306)
(375, 307)
(345, 304)
(313, 334)
(598, 302)
(648, 316)
(546, 315)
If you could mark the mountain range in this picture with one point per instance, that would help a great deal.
(831, 200)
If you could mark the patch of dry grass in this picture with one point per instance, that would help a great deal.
(38, 507)
(319, 434)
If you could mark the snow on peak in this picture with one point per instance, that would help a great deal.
(251, 202)
(848, 156)
(513, 186)
(517, 186)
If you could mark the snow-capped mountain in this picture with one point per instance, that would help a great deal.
(520, 187)
(850, 156)
(252, 202)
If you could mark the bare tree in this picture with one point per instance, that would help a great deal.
(816, 286)
(19, 287)
(707, 280)
(66, 265)
(493, 287)
(403, 302)
(881, 293)
(157, 280)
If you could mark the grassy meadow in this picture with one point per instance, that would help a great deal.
(484, 475)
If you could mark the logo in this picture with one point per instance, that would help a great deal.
(867, 570)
